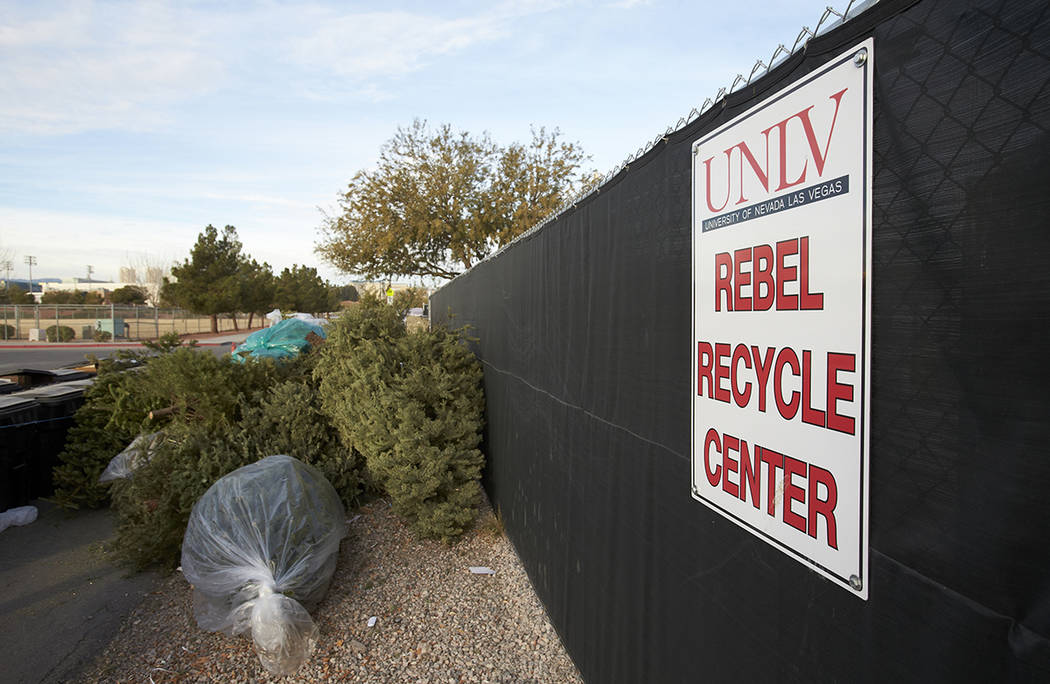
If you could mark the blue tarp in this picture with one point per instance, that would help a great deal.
(283, 340)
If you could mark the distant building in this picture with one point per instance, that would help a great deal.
(103, 288)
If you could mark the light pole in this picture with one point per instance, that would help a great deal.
(6, 265)
(31, 262)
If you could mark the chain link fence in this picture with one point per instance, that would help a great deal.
(108, 322)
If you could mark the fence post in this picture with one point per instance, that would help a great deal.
(58, 337)
(36, 315)
(18, 321)
(156, 322)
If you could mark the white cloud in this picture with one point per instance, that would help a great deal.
(264, 200)
(369, 45)
(82, 65)
(375, 44)
(65, 242)
(89, 65)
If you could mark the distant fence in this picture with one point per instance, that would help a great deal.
(584, 331)
(122, 322)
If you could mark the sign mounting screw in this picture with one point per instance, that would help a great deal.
(855, 582)
(861, 57)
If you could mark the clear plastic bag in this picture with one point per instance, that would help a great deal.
(23, 515)
(261, 547)
(137, 454)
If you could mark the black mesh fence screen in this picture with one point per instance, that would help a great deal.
(584, 329)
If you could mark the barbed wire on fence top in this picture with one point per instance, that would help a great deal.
(829, 19)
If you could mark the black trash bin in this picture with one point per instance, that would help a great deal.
(18, 438)
(56, 405)
(68, 374)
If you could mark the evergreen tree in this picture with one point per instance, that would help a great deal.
(257, 288)
(13, 294)
(301, 289)
(207, 282)
(90, 444)
(129, 294)
(287, 419)
(412, 405)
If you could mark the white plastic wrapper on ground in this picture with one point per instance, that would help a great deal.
(23, 515)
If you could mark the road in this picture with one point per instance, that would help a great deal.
(43, 357)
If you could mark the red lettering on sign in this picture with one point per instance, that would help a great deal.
(786, 274)
(805, 486)
(793, 492)
(773, 461)
(707, 174)
(723, 280)
(741, 397)
(750, 475)
(742, 278)
(819, 157)
(783, 156)
(838, 391)
(786, 357)
(757, 288)
(809, 414)
(822, 507)
(729, 464)
(713, 476)
(764, 279)
(704, 362)
(763, 364)
(808, 301)
(733, 377)
(721, 371)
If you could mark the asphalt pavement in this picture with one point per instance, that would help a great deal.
(18, 354)
(62, 598)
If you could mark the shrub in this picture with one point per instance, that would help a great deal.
(99, 335)
(60, 333)
(90, 443)
(287, 419)
(7, 332)
(215, 417)
(153, 506)
(412, 405)
(435, 413)
(199, 388)
(347, 379)
(192, 386)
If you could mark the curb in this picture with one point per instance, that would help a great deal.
(59, 345)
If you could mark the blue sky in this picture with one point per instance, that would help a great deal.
(126, 127)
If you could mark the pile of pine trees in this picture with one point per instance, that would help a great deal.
(379, 410)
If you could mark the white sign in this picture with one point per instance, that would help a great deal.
(782, 318)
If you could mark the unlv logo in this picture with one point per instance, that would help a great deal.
(789, 158)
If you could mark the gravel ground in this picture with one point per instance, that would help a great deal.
(435, 620)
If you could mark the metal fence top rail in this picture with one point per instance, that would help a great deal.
(829, 19)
